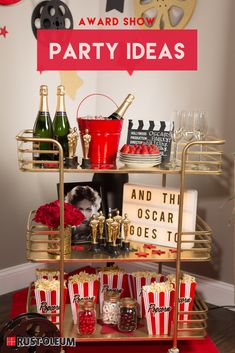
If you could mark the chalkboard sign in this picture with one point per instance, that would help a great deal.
(151, 132)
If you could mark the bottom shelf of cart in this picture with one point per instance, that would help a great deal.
(190, 332)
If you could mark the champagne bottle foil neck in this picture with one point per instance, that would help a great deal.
(130, 98)
(60, 90)
(43, 90)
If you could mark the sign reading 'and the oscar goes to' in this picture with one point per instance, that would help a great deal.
(128, 50)
(154, 211)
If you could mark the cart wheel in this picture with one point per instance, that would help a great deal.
(167, 14)
(27, 325)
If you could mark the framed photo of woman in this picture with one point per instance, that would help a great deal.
(86, 196)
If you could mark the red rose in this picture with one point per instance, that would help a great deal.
(49, 215)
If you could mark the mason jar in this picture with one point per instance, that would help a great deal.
(86, 317)
(128, 315)
(110, 310)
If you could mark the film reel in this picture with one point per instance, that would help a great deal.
(56, 15)
(36, 17)
(28, 325)
(51, 14)
(167, 14)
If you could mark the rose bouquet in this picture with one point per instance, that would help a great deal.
(49, 215)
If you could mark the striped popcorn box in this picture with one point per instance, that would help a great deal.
(47, 273)
(114, 279)
(136, 281)
(159, 305)
(187, 288)
(47, 295)
(82, 286)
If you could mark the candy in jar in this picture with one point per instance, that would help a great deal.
(128, 315)
(110, 312)
(86, 321)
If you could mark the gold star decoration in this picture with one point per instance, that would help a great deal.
(71, 81)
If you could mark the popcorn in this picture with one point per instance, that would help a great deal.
(156, 287)
(187, 288)
(82, 286)
(159, 307)
(47, 295)
(47, 273)
(83, 277)
(114, 278)
(113, 269)
(145, 274)
(139, 279)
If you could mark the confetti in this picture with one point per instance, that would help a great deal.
(3, 31)
(142, 254)
(158, 252)
(149, 246)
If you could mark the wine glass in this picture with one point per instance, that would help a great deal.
(201, 127)
(177, 118)
(189, 126)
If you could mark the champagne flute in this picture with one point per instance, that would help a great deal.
(189, 126)
(189, 132)
(201, 127)
(177, 133)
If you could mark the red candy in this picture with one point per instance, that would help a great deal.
(86, 322)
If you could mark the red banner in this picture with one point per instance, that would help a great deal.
(129, 50)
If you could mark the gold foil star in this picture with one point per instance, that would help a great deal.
(71, 81)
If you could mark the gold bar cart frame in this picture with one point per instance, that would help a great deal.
(211, 156)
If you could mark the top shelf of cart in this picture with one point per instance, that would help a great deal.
(197, 157)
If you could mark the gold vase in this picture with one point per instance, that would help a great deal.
(54, 248)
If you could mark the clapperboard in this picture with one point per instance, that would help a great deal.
(151, 132)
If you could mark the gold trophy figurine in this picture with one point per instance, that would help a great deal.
(126, 229)
(114, 247)
(72, 160)
(86, 143)
(118, 219)
(109, 222)
(75, 140)
(114, 227)
(101, 219)
(94, 227)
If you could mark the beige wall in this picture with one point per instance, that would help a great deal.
(157, 94)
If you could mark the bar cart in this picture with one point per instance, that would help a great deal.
(207, 153)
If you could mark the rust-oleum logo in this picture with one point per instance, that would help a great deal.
(21, 342)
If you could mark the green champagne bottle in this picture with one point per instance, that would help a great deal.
(43, 127)
(61, 124)
(119, 113)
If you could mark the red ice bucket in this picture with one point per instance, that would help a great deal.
(105, 136)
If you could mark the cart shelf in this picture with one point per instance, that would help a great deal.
(200, 153)
(37, 248)
(193, 328)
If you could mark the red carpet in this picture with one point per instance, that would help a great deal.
(202, 346)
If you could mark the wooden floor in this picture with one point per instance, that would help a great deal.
(221, 324)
